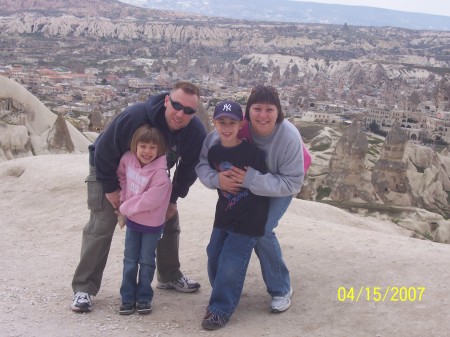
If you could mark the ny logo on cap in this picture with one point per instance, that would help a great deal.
(226, 107)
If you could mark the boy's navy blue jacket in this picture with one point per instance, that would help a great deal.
(115, 140)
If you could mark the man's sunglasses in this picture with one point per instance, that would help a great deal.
(178, 106)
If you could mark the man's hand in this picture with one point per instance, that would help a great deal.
(114, 199)
(171, 211)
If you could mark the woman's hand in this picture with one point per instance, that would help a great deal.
(237, 174)
(231, 180)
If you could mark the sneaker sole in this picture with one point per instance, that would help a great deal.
(144, 311)
(189, 290)
(126, 312)
(279, 311)
(163, 286)
(80, 310)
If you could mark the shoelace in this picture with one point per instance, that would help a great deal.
(83, 298)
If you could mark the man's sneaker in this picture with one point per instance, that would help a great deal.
(81, 302)
(183, 284)
(126, 309)
(281, 303)
(144, 308)
(213, 322)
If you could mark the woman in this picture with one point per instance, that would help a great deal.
(282, 144)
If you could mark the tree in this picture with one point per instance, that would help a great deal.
(374, 127)
(414, 100)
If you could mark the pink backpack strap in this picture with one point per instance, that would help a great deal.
(306, 158)
(244, 132)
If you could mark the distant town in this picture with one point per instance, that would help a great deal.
(89, 101)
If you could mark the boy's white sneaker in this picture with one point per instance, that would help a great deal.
(281, 303)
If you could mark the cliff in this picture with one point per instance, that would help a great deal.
(29, 128)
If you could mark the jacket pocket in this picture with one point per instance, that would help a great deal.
(94, 193)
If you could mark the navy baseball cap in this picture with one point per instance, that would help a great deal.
(229, 109)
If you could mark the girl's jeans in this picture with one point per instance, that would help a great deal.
(138, 264)
(228, 258)
(268, 250)
(97, 237)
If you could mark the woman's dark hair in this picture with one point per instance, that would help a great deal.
(148, 134)
(262, 94)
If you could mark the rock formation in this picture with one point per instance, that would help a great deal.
(428, 174)
(389, 175)
(29, 128)
(14, 141)
(58, 139)
(348, 176)
(204, 117)
(423, 207)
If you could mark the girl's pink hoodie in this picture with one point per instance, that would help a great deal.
(145, 191)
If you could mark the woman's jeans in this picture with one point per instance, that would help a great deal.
(268, 250)
(228, 258)
(138, 264)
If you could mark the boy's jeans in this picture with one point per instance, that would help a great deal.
(268, 250)
(138, 263)
(228, 258)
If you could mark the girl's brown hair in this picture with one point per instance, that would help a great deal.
(262, 94)
(148, 134)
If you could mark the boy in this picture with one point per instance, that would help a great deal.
(239, 219)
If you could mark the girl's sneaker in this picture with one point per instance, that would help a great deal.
(213, 322)
(144, 308)
(126, 309)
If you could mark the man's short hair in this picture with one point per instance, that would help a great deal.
(188, 87)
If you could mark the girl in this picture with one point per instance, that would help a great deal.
(144, 196)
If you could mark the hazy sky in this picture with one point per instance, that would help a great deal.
(439, 7)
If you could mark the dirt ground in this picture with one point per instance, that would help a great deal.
(336, 259)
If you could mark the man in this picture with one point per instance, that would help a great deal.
(173, 115)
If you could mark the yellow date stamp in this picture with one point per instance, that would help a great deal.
(380, 294)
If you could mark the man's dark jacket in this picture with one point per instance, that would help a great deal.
(183, 145)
